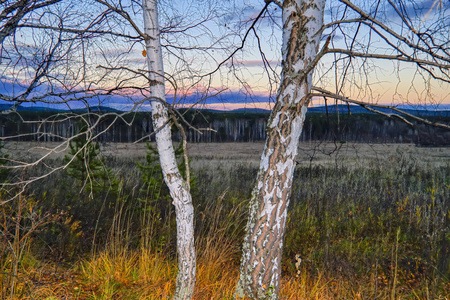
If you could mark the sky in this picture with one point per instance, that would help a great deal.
(380, 81)
(198, 35)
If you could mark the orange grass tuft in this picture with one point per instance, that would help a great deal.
(145, 275)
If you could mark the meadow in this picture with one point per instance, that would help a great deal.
(365, 221)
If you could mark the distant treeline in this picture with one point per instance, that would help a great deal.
(214, 126)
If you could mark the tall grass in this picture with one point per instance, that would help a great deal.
(354, 231)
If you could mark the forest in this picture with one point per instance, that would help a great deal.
(222, 126)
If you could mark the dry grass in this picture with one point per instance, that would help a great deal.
(144, 275)
(116, 273)
(319, 152)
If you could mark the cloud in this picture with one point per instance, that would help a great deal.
(417, 9)
(256, 63)
(232, 106)
(239, 97)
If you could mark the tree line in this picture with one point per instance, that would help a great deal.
(219, 127)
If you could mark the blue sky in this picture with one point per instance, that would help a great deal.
(218, 26)
(381, 81)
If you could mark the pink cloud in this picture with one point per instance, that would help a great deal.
(231, 106)
(256, 63)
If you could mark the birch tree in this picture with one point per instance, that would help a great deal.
(178, 186)
(261, 259)
(302, 31)
(60, 53)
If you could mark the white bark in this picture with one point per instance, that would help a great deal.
(261, 259)
(179, 189)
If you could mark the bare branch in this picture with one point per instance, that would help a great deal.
(242, 41)
(389, 57)
(369, 107)
(126, 16)
(80, 31)
(393, 33)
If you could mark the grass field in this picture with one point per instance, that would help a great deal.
(365, 222)
(319, 153)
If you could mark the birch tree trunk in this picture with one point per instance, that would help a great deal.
(261, 259)
(179, 188)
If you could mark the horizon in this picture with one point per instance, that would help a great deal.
(247, 73)
(227, 102)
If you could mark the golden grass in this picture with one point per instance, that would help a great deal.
(145, 275)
